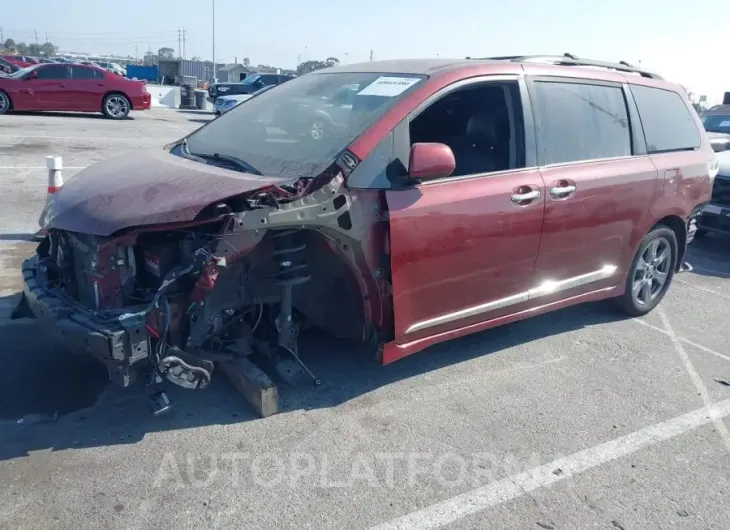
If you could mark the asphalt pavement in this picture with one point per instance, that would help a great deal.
(580, 418)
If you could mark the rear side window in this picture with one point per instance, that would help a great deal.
(581, 122)
(53, 72)
(85, 73)
(668, 124)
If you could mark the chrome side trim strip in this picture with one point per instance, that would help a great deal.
(469, 312)
(550, 287)
(544, 289)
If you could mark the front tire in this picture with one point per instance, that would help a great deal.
(4, 102)
(651, 272)
(116, 106)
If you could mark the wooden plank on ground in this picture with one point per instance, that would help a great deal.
(258, 389)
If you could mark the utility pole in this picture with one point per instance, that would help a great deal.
(184, 54)
(136, 54)
(2, 37)
(46, 37)
(36, 37)
(371, 55)
(179, 40)
(214, 72)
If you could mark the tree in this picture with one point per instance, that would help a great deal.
(332, 61)
(311, 66)
(21, 48)
(34, 49)
(166, 53)
(246, 62)
(196, 58)
(149, 59)
(9, 44)
(48, 49)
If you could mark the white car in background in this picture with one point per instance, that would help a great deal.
(226, 103)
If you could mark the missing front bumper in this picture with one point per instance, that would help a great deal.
(117, 347)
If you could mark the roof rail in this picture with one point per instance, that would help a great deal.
(568, 59)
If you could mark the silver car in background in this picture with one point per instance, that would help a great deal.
(226, 103)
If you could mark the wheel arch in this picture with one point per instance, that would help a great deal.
(678, 226)
(10, 100)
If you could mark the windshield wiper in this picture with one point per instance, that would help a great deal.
(226, 159)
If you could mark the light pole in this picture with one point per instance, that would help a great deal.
(214, 72)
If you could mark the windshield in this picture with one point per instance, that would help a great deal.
(719, 123)
(249, 80)
(294, 131)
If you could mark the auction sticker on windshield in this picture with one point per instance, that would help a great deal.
(388, 86)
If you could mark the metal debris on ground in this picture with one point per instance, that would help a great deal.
(724, 382)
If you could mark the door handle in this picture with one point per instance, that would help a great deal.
(560, 191)
(100, 84)
(529, 196)
(62, 86)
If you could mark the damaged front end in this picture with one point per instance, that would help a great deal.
(243, 277)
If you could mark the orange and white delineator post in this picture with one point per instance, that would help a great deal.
(55, 183)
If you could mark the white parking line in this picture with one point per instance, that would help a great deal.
(480, 499)
(711, 271)
(682, 339)
(704, 289)
(695, 377)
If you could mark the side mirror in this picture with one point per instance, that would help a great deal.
(31, 75)
(429, 161)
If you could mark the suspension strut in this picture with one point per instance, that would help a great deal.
(293, 271)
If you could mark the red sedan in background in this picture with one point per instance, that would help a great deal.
(72, 87)
(20, 60)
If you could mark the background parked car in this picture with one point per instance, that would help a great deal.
(251, 84)
(226, 103)
(19, 60)
(7, 67)
(716, 215)
(113, 67)
(72, 87)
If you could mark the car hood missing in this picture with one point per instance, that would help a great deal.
(146, 188)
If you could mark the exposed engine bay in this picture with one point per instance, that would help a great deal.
(244, 278)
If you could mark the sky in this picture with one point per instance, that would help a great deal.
(672, 37)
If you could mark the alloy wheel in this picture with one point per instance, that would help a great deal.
(652, 271)
(4, 103)
(117, 106)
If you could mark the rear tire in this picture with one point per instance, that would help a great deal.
(5, 104)
(116, 106)
(651, 272)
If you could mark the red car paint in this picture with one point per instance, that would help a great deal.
(68, 94)
(470, 229)
(455, 245)
(19, 60)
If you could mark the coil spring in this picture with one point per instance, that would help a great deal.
(293, 270)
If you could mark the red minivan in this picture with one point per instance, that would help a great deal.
(456, 195)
